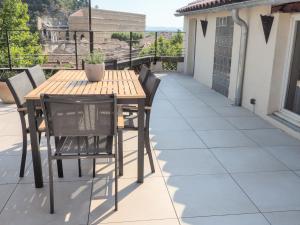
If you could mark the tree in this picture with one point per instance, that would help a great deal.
(51, 7)
(40, 7)
(68, 6)
(166, 47)
(24, 46)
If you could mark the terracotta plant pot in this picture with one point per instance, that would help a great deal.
(5, 94)
(94, 72)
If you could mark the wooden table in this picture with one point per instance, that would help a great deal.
(123, 83)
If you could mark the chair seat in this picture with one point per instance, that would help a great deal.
(131, 122)
(84, 146)
(42, 126)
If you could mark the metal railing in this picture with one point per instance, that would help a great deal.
(66, 49)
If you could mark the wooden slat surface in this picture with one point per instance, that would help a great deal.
(123, 83)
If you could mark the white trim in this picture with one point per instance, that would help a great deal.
(287, 71)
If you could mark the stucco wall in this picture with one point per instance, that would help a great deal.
(105, 20)
(190, 24)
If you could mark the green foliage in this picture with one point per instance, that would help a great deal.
(68, 6)
(51, 7)
(24, 45)
(97, 57)
(38, 8)
(166, 47)
(125, 36)
(4, 75)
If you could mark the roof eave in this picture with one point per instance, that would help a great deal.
(237, 5)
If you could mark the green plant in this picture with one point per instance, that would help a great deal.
(166, 47)
(4, 75)
(97, 57)
(25, 49)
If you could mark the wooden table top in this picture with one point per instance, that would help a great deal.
(123, 83)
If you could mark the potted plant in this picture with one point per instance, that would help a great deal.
(5, 94)
(94, 66)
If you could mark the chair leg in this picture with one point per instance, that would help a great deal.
(120, 151)
(60, 170)
(79, 161)
(94, 167)
(149, 152)
(40, 137)
(24, 153)
(59, 164)
(116, 175)
(79, 168)
(51, 186)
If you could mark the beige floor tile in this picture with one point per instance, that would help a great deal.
(147, 201)
(243, 219)
(11, 145)
(208, 195)
(10, 168)
(5, 192)
(148, 222)
(188, 162)
(31, 206)
(70, 168)
(130, 139)
(107, 166)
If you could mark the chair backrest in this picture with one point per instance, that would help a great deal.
(76, 116)
(36, 75)
(144, 73)
(150, 88)
(111, 64)
(20, 86)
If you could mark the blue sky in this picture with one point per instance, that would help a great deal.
(159, 13)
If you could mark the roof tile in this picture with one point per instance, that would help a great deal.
(205, 4)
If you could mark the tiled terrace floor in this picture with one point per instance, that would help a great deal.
(216, 165)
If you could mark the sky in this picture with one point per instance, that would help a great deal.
(159, 13)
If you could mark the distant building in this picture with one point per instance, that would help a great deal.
(106, 22)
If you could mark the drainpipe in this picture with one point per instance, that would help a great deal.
(242, 56)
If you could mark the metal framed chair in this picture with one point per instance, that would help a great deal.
(36, 75)
(131, 122)
(19, 86)
(85, 127)
(144, 73)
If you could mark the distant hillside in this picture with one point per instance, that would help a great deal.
(170, 29)
(39, 8)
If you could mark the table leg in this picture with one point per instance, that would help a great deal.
(141, 130)
(35, 146)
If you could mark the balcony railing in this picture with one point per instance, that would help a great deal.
(66, 49)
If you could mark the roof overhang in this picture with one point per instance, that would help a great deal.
(235, 5)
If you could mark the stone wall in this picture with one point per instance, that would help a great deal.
(106, 22)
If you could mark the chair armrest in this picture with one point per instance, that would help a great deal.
(121, 122)
(134, 108)
(23, 109)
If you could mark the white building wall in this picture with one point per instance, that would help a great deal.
(264, 61)
(190, 29)
(280, 64)
(204, 59)
(259, 61)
